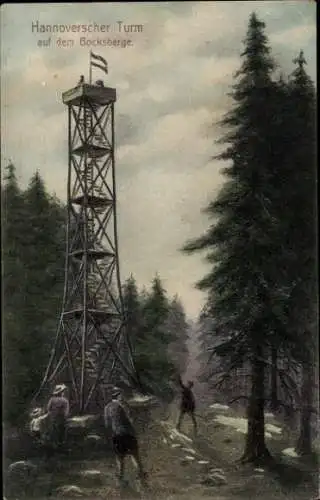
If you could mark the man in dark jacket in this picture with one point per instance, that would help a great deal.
(124, 437)
(187, 404)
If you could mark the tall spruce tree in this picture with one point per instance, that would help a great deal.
(240, 243)
(133, 310)
(44, 258)
(303, 209)
(152, 360)
(178, 328)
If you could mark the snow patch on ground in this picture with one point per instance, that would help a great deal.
(269, 415)
(290, 452)
(141, 400)
(241, 425)
(275, 429)
(218, 406)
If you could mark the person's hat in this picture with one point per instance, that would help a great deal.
(116, 391)
(36, 412)
(59, 389)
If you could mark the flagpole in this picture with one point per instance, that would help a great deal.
(90, 70)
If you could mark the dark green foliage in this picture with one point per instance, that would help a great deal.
(250, 282)
(262, 238)
(239, 243)
(132, 308)
(303, 204)
(147, 315)
(33, 272)
(178, 328)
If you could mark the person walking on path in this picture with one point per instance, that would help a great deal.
(125, 443)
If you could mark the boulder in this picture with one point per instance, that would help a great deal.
(93, 438)
(70, 490)
(189, 450)
(187, 460)
(83, 421)
(214, 479)
(23, 468)
(21, 476)
(216, 471)
(91, 477)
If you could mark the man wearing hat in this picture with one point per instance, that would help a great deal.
(58, 412)
(123, 434)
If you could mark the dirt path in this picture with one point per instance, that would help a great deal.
(179, 468)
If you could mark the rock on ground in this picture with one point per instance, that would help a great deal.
(190, 450)
(93, 438)
(70, 490)
(214, 479)
(21, 475)
(24, 470)
(91, 477)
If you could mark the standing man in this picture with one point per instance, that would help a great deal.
(123, 435)
(58, 412)
(187, 404)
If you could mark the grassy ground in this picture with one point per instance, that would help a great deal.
(221, 445)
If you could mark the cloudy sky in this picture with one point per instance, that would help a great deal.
(171, 90)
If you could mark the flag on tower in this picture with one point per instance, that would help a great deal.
(102, 64)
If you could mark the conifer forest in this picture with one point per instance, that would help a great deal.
(257, 333)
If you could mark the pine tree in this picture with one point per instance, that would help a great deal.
(303, 208)
(206, 339)
(14, 231)
(178, 327)
(243, 242)
(44, 259)
(34, 227)
(151, 348)
(132, 308)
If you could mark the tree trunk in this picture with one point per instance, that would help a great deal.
(274, 404)
(255, 448)
(304, 444)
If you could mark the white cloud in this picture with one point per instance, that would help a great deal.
(295, 37)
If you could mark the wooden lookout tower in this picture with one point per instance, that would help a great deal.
(91, 351)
